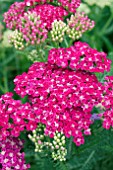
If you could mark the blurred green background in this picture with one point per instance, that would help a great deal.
(12, 63)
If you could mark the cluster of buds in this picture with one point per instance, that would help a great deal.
(32, 28)
(58, 30)
(17, 40)
(38, 138)
(78, 24)
(59, 145)
(33, 55)
(12, 16)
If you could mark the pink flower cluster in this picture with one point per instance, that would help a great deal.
(62, 99)
(78, 24)
(32, 28)
(80, 56)
(32, 2)
(12, 16)
(70, 5)
(15, 116)
(11, 156)
(107, 102)
(49, 13)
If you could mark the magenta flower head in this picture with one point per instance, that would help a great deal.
(48, 13)
(70, 5)
(80, 57)
(15, 116)
(34, 2)
(11, 156)
(12, 16)
(62, 93)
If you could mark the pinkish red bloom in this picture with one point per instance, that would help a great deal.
(62, 99)
(11, 156)
(49, 13)
(32, 2)
(15, 116)
(12, 16)
(70, 5)
(80, 57)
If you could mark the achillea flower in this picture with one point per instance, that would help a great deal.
(80, 57)
(58, 31)
(78, 24)
(49, 13)
(17, 40)
(57, 146)
(32, 28)
(70, 5)
(11, 156)
(62, 99)
(12, 16)
(15, 116)
(33, 2)
(107, 103)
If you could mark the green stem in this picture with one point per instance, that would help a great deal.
(66, 43)
(106, 25)
(5, 80)
(70, 147)
(88, 160)
(2, 89)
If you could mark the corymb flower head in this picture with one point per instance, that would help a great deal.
(11, 156)
(80, 57)
(62, 99)
(70, 5)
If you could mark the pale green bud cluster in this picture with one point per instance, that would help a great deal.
(58, 30)
(17, 40)
(33, 55)
(59, 145)
(38, 138)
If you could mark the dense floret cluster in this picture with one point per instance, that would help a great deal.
(78, 24)
(15, 116)
(13, 15)
(70, 5)
(107, 103)
(48, 13)
(11, 156)
(32, 28)
(80, 56)
(62, 99)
